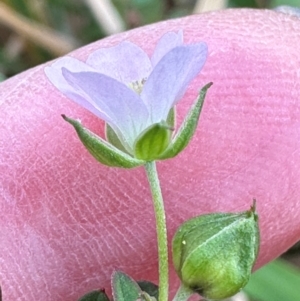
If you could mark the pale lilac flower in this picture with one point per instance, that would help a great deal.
(126, 88)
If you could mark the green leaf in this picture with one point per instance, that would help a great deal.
(102, 151)
(188, 127)
(98, 295)
(124, 287)
(152, 142)
(150, 288)
(277, 281)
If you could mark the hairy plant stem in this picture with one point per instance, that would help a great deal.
(183, 293)
(161, 230)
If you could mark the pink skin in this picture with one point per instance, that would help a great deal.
(67, 222)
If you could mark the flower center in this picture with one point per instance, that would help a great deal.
(137, 86)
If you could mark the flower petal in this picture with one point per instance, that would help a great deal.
(165, 44)
(170, 78)
(125, 62)
(54, 74)
(118, 105)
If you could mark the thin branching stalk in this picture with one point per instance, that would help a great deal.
(161, 230)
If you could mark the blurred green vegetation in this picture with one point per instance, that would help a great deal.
(35, 31)
(277, 281)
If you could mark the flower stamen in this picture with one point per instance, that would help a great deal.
(137, 86)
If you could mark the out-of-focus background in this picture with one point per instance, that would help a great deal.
(35, 31)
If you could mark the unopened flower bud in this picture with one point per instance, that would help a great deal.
(214, 254)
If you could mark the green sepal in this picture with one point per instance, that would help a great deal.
(97, 295)
(150, 288)
(124, 288)
(101, 150)
(152, 142)
(188, 127)
(113, 138)
(171, 118)
(214, 254)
